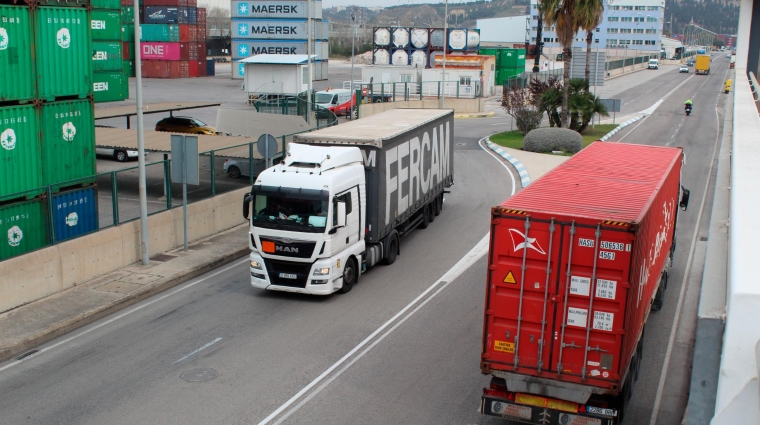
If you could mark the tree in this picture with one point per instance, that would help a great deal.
(561, 14)
(589, 16)
(583, 105)
(520, 105)
(218, 19)
(547, 96)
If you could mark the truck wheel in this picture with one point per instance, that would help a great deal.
(664, 281)
(658, 298)
(425, 217)
(349, 276)
(431, 212)
(390, 256)
(439, 205)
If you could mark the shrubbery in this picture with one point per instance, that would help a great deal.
(549, 139)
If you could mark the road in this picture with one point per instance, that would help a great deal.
(402, 347)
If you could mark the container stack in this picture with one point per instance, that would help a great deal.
(420, 46)
(109, 82)
(262, 26)
(509, 62)
(128, 36)
(47, 137)
(173, 39)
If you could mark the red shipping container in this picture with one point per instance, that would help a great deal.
(127, 3)
(193, 68)
(201, 51)
(170, 3)
(184, 33)
(192, 51)
(201, 18)
(192, 32)
(202, 68)
(165, 69)
(192, 3)
(593, 235)
(201, 34)
(125, 50)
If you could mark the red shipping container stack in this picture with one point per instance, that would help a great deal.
(175, 60)
(170, 3)
(165, 69)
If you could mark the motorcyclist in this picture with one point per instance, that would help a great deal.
(688, 104)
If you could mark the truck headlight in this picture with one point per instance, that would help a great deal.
(322, 272)
(256, 265)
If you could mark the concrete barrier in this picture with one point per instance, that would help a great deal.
(459, 106)
(53, 269)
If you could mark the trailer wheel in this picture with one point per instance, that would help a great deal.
(439, 205)
(623, 398)
(390, 256)
(431, 211)
(665, 280)
(425, 217)
(349, 276)
(658, 298)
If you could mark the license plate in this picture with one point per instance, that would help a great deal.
(601, 411)
(288, 276)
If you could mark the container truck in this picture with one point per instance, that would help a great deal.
(702, 65)
(577, 261)
(343, 197)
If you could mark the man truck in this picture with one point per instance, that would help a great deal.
(344, 197)
(577, 261)
(702, 65)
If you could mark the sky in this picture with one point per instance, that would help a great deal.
(330, 3)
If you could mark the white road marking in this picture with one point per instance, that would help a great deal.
(649, 111)
(480, 249)
(197, 351)
(511, 176)
(671, 340)
(127, 313)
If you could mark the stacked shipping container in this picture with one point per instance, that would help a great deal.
(420, 46)
(277, 27)
(109, 81)
(509, 62)
(173, 39)
(47, 136)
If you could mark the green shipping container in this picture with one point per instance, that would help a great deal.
(20, 156)
(15, 54)
(106, 25)
(127, 14)
(159, 33)
(509, 58)
(63, 52)
(106, 4)
(128, 33)
(23, 228)
(129, 68)
(68, 141)
(107, 56)
(110, 86)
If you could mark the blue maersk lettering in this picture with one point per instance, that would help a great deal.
(270, 29)
(415, 174)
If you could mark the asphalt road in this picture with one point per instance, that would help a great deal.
(402, 347)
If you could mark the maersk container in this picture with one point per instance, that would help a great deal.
(577, 261)
(109, 86)
(68, 141)
(75, 213)
(20, 156)
(107, 56)
(106, 4)
(15, 57)
(106, 24)
(63, 52)
(166, 33)
(23, 228)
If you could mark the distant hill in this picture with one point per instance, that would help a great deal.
(717, 16)
(462, 15)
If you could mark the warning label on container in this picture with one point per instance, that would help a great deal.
(603, 321)
(566, 418)
(580, 285)
(509, 278)
(605, 289)
(577, 317)
(504, 346)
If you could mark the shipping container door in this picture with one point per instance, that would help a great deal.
(547, 291)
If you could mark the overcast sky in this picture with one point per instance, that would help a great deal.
(330, 3)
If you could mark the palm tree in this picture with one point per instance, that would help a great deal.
(588, 14)
(561, 14)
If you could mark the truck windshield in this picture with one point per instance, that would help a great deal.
(300, 210)
(324, 97)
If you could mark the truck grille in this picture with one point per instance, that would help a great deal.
(301, 271)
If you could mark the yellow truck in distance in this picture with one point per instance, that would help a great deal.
(702, 66)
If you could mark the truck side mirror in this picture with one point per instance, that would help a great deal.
(341, 211)
(247, 205)
(684, 198)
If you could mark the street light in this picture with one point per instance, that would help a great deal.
(351, 85)
(445, 48)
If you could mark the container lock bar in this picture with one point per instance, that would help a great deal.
(590, 321)
(567, 289)
(546, 297)
(522, 291)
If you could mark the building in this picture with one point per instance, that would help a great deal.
(280, 75)
(510, 31)
(672, 48)
(626, 24)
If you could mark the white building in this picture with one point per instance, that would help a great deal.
(276, 74)
(626, 24)
(510, 31)
(671, 46)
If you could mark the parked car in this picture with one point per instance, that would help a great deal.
(684, 68)
(121, 155)
(239, 167)
(184, 125)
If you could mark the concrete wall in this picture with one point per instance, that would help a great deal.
(41, 273)
(460, 106)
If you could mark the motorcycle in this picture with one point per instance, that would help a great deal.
(688, 110)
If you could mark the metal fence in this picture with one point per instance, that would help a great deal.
(621, 63)
(405, 91)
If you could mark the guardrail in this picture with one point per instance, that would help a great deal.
(755, 89)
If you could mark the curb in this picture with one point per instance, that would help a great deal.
(88, 317)
(524, 177)
(478, 115)
(620, 127)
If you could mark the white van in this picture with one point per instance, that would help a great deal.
(654, 64)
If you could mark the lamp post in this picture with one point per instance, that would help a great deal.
(142, 187)
(445, 49)
(308, 61)
(351, 85)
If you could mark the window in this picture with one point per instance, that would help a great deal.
(612, 30)
(533, 39)
(346, 197)
(611, 41)
(535, 28)
(638, 31)
(650, 42)
(641, 8)
(406, 78)
(596, 40)
(535, 17)
(305, 79)
(627, 7)
(547, 40)
(638, 41)
(625, 41)
(651, 19)
(613, 18)
(625, 30)
(465, 81)
(653, 8)
(626, 19)
(614, 7)
(638, 19)
(651, 31)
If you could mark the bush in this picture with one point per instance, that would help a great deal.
(549, 139)
(528, 119)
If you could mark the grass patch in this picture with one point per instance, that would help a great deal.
(514, 139)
